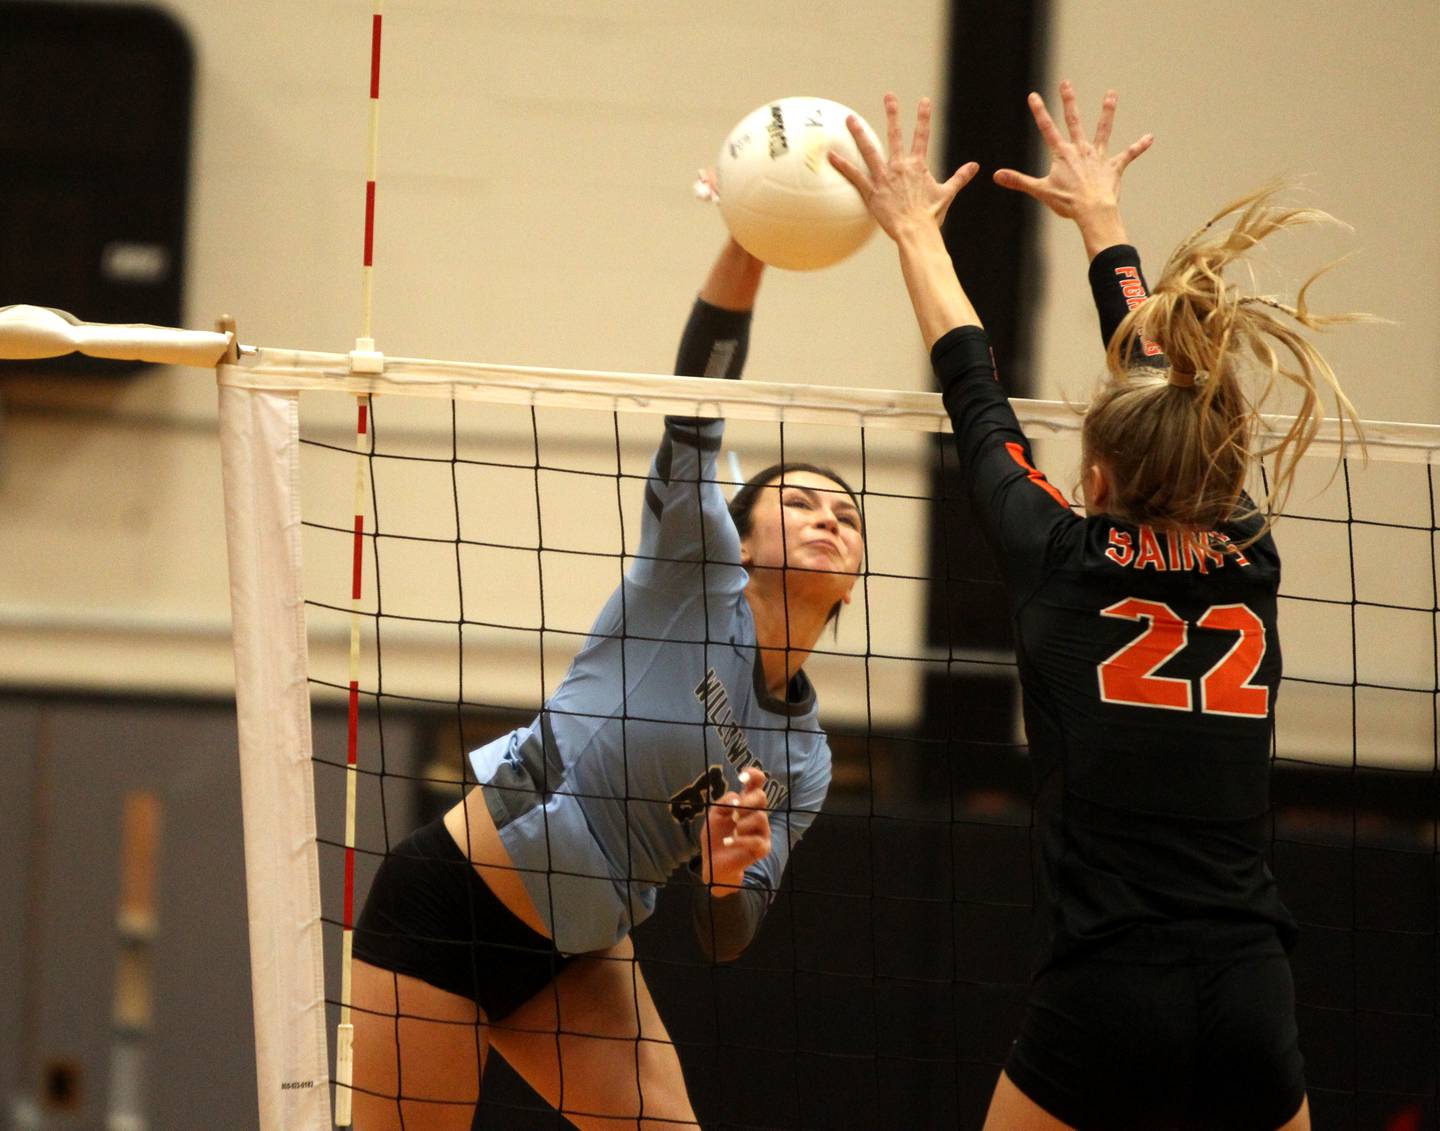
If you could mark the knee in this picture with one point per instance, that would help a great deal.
(663, 1093)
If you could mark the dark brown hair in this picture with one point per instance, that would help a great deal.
(743, 504)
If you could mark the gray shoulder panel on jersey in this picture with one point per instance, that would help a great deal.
(519, 784)
(690, 430)
(684, 430)
(801, 690)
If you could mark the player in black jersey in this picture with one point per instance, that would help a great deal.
(1147, 648)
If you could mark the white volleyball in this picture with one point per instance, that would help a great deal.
(781, 198)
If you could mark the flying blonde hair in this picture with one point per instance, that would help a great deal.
(1177, 443)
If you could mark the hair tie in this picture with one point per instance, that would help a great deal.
(1189, 380)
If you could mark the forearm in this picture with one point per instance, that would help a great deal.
(734, 279)
(935, 292)
(715, 342)
(1117, 285)
(726, 924)
(1015, 506)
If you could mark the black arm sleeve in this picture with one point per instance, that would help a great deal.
(714, 343)
(686, 516)
(725, 927)
(1118, 287)
(1017, 506)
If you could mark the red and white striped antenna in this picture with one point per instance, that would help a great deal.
(364, 358)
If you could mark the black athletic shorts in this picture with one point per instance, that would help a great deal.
(431, 916)
(1123, 1046)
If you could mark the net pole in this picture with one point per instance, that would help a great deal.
(364, 358)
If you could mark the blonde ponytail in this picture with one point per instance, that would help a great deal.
(1177, 444)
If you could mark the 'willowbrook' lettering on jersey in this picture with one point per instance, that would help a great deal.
(711, 691)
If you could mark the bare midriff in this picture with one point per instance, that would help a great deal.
(473, 829)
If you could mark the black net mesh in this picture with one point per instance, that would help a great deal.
(889, 976)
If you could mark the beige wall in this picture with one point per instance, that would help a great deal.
(1333, 94)
(535, 208)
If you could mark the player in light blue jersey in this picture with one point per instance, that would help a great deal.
(685, 738)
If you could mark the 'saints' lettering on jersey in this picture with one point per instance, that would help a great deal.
(1134, 291)
(1197, 551)
(711, 691)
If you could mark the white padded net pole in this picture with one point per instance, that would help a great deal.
(259, 436)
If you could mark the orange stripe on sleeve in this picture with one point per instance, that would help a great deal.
(1037, 477)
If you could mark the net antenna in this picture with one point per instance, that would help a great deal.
(364, 358)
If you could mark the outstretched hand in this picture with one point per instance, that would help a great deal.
(736, 834)
(1083, 177)
(899, 189)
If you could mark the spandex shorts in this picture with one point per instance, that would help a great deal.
(1120, 1046)
(431, 916)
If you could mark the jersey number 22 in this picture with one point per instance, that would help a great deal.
(1128, 676)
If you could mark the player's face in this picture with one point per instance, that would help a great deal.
(804, 521)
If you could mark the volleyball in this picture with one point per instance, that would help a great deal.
(781, 198)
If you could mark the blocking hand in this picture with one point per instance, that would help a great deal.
(900, 189)
(1083, 177)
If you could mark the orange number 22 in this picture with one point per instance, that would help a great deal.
(1128, 676)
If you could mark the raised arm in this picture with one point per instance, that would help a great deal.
(734, 279)
(1083, 185)
(685, 520)
(910, 205)
(1016, 506)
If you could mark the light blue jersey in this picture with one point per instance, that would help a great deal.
(602, 797)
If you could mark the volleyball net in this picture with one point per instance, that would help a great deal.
(417, 554)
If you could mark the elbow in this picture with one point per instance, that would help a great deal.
(717, 950)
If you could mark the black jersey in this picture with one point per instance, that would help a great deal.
(1149, 663)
